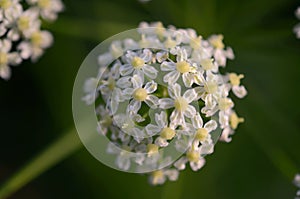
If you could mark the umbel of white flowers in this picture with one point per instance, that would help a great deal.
(21, 36)
(180, 86)
(297, 27)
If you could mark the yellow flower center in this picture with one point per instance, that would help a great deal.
(159, 29)
(192, 156)
(3, 58)
(5, 4)
(140, 94)
(111, 83)
(43, 3)
(167, 133)
(206, 64)
(137, 62)
(170, 43)
(201, 134)
(224, 104)
(195, 43)
(157, 175)
(152, 148)
(183, 67)
(235, 79)
(23, 23)
(36, 38)
(235, 120)
(217, 41)
(211, 87)
(181, 104)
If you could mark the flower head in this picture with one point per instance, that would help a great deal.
(168, 94)
(20, 26)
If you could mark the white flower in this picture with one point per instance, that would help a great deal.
(34, 47)
(90, 87)
(48, 8)
(7, 58)
(180, 103)
(166, 132)
(140, 93)
(195, 159)
(235, 81)
(297, 27)
(160, 176)
(297, 180)
(202, 133)
(181, 68)
(137, 63)
(220, 54)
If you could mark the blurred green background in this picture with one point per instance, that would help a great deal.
(264, 154)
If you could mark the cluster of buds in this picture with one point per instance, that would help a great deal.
(164, 94)
(21, 36)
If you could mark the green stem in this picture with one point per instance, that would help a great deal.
(52, 155)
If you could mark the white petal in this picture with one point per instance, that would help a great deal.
(152, 101)
(188, 79)
(171, 77)
(161, 142)
(150, 87)
(123, 162)
(152, 129)
(14, 58)
(211, 125)
(226, 133)
(180, 164)
(150, 71)
(177, 118)
(207, 148)
(166, 103)
(195, 166)
(172, 174)
(161, 119)
(190, 95)
(127, 93)
(190, 112)
(5, 72)
(126, 69)
(197, 121)
(124, 82)
(174, 91)
(168, 66)
(239, 91)
(137, 81)
(134, 106)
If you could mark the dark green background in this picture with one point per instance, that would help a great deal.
(35, 105)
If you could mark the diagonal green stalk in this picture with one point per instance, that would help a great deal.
(52, 155)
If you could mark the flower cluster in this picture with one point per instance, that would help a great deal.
(21, 36)
(297, 27)
(164, 90)
(297, 183)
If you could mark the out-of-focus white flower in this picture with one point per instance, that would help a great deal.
(48, 8)
(20, 22)
(297, 27)
(297, 183)
(7, 58)
(165, 95)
